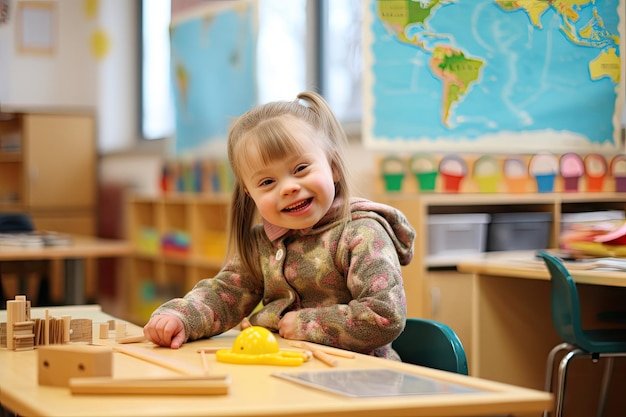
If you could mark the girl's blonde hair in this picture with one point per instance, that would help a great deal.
(267, 129)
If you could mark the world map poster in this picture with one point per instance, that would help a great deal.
(213, 54)
(494, 75)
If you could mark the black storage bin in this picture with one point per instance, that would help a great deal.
(519, 231)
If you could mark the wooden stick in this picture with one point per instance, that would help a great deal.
(203, 385)
(46, 330)
(212, 349)
(205, 362)
(325, 357)
(245, 323)
(156, 359)
(326, 349)
(131, 339)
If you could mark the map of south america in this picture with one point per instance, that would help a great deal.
(406, 19)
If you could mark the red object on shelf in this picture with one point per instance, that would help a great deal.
(616, 237)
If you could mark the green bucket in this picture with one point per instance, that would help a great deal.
(426, 180)
(393, 182)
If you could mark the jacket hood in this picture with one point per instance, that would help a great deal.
(393, 220)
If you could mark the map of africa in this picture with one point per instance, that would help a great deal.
(493, 75)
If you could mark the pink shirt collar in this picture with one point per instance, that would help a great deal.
(272, 231)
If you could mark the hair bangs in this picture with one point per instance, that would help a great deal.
(269, 141)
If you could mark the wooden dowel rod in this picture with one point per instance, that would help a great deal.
(205, 362)
(213, 349)
(164, 386)
(131, 339)
(326, 349)
(325, 357)
(156, 359)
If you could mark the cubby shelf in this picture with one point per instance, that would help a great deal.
(418, 207)
(434, 288)
(180, 238)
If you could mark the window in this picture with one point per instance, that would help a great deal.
(341, 65)
(302, 44)
(157, 110)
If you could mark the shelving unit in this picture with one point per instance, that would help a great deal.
(434, 289)
(179, 240)
(48, 169)
(429, 293)
(45, 158)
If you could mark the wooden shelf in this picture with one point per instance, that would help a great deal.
(160, 269)
(417, 208)
(48, 169)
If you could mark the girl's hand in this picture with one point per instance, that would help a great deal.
(287, 326)
(165, 330)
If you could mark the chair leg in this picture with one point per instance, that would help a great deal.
(606, 379)
(550, 367)
(561, 379)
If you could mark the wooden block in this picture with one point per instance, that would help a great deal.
(16, 312)
(58, 363)
(120, 329)
(81, 330)
(66, 328)
(3, 334)
(104, 330)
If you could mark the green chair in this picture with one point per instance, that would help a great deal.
(607, 343)
(432, 344)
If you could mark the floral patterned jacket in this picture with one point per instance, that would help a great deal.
(342, 278)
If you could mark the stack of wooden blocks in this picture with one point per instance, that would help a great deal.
(20, 328)
(21, 332)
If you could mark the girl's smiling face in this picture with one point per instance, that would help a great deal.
(295, 190)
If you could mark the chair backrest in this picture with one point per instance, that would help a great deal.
(564, 302)
(15, 223)
(432, 344)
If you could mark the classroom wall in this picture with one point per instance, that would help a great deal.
(79, 74)
(75, 77)
(64, 78)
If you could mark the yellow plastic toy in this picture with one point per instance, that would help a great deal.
(256, 345)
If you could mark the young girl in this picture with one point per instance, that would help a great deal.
(326, 266)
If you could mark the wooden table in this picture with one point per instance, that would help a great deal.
(73, 256)
(253, 390)
(512, 329)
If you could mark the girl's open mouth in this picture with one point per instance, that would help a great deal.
(299, 206)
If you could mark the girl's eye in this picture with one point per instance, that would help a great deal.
(265, 183)
(301, 168)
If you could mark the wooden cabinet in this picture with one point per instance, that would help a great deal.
(179, 240)
(432, 285)
(48, 168)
